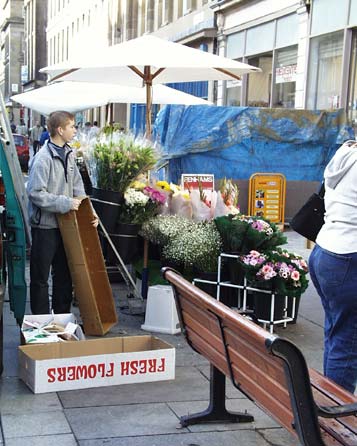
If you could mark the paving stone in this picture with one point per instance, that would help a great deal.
(10, 362)
(261, 420)
(278, 437)
(16, 397)
(189, 385)
(122, 421)
(46, 440)
(34, 424)
(246, 438)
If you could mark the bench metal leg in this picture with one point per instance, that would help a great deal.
(216, 411)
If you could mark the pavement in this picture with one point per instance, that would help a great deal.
(146, 414)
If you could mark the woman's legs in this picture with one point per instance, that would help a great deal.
(335, 278)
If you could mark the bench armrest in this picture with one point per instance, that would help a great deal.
(337, 411)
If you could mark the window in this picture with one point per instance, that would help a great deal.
(327, 18)
(233, 93)
(166, 12)
(259, 84)
(188, 6)
(352, 93)
(325, 69)
(150, 15)
(285, 77)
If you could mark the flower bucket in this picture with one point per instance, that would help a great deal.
(262, 306)
(105, 205)
(208, 288)
(126, 242)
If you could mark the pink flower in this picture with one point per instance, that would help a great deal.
(155, 195)
(295, 275)
(266, 269)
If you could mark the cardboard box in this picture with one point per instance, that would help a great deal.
(96, 363)
(32, 327)
(89, 274)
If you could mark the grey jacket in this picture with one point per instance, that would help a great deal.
(51, 186)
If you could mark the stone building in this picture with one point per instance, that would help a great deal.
(12, 50)
(35, 12)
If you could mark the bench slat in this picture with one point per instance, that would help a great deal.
(247, 372)
(208, 352)
(330, 389)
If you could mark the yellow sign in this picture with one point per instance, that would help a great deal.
(267, 196)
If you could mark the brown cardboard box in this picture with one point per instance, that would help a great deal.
(89, 274)
(95, 363)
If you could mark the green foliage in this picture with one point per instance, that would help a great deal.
(240, 233)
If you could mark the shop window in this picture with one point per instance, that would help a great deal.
(325, 69)
(259, 84)
(235, 45)
(285, 77)
(287, 31)
(352, 91)
(328, 15)
(260, 38)
(233, 93)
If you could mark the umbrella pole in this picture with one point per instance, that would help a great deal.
(148, 85)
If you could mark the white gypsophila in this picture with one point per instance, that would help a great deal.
(133, 197)
(197, 247)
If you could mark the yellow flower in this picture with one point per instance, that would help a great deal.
(76, 144)
(138, 185)
(164, 185)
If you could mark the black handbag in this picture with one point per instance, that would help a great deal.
(310, 218)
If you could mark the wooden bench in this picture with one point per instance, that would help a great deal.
(269, 370)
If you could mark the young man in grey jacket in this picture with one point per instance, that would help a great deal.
(55, 186)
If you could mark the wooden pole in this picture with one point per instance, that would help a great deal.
(148, 85)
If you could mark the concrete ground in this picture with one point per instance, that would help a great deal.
(145, 414)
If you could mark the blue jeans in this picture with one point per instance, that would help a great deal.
(335, 279)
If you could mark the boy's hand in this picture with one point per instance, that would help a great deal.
(75, 204)
(95, 220)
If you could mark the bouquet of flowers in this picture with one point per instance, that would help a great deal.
(180, 202)
(227, 199)
(198, 247)
(283, 272)
(115, 161)
(203, 204)
(140, 205)
(241, 233)
(161, 229)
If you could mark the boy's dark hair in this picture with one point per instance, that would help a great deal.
(58, 119)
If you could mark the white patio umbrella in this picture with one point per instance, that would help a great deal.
(78, 96)
(146, 61)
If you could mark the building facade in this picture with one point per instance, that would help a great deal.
(12, 49)
(78, 29)
(305, 49)
(35, 13)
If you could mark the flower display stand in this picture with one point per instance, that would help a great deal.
(161, 314)
(242, 298)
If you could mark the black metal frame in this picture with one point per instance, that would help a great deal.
(305, 410)
(216, 410)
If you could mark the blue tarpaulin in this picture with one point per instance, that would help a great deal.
(235, 142)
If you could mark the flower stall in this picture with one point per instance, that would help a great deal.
(191, 229)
